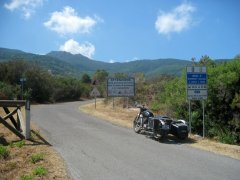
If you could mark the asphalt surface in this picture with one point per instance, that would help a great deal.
(95, 149)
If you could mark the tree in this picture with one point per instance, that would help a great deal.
(120, 75)
(100, 75)
(8, 91)
(12, 71)
(86, 79)
(100, 79)
(206, 61)
(40, 83)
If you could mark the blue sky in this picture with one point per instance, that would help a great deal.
(124, 30)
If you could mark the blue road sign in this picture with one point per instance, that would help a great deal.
(196, 82)
(196, 78)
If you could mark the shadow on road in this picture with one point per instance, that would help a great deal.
(170, 139)
(37, 139)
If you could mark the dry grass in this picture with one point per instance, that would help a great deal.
(116, 115)
(124, 117)
(219, 148)
(18, 163)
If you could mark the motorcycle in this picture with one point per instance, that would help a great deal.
(145, 122)
(160, 126)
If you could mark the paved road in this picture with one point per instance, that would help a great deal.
(95, 149)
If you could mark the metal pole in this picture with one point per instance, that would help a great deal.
(95, 102)
(22, 88)
(190, 116)
(203, 119)
(113, 102)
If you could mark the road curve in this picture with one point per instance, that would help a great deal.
(95, 149)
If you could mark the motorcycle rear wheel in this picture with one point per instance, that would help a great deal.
(136, 125)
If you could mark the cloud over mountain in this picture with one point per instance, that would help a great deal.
(87, 49)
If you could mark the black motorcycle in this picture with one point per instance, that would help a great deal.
(145, 122)
(160, 126)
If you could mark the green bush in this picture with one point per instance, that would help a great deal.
(4, 153)
(36, 158)
(8, 91)
(19, 144)
(223, 134)
(27, 177)
(40, 171)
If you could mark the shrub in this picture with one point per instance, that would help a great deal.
(27, 177)
(4, 153)
(36, 158)
(40, 171)
(18, 144)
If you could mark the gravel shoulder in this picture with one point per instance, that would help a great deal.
(18, 163)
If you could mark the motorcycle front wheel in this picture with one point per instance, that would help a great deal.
(136, 125)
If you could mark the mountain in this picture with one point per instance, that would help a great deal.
(47, 62)
(79, 61)
(149, 67)
(65, 63)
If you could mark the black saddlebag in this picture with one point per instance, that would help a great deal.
(179, 129)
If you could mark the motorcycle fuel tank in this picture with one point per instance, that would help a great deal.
(147, 113)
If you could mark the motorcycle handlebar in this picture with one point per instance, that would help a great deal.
(140, 106)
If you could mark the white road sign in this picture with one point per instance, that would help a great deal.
(196, 82)
(121, 87)
(94, 92)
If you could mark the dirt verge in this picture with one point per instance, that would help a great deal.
(23, 157)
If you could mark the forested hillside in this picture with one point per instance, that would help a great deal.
(52, 64)
(148, 67)
(64, 63)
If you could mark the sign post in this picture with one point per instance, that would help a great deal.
(94, 93)
(203, 118)
(196, 88)
(22, 80)
(190, 116)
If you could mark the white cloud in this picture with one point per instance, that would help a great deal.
(177, 20)
(67, 21)
(72, 46)
(26, 6)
